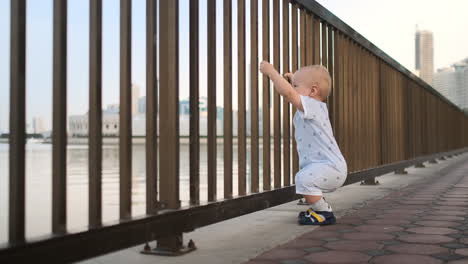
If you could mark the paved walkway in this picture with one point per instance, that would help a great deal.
(426, 222)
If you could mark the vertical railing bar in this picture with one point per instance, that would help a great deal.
(17, 135)
(227, 35)
(151, 109)
(294, 67)
(194, 108)
(95, 114)
(276, 97)
(211, 53)
(241, 160)
(286, 105)
(331, 70)
(316, 40)
(254, 95)
(309, 41)
(59, 131)
(324, 60)
(168, 105)
(266, 97)
(125, 121)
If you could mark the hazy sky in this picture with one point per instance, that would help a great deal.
(388, 24)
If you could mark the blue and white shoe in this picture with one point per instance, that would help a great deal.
(310, 217)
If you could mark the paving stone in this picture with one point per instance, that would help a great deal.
(462, 251)
(450, 208)
(367, 236)
(448, 256)
(405, 259)
(447, 212)
(416, 202)
(427, 239)
(388, 222)
(350, 220)
(432, 230)
(419, 249)
(302, 243)
(315, 249)
(462, 261)
(259, 261)
(331, 239)
(437, 223)
(390, 242)
(379, 228)
(376, 252)
(443, 218)
(293, 261)
(452, 203)
(453, 245)
(397, 216)
(351, 245)
(336, 227)
(335, 256)
(281, 254)
(457, 235)
(404, 211)
(464, 240)
(320, 234)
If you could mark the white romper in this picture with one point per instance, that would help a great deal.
(322, 167)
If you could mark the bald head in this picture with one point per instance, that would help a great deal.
(311, 75)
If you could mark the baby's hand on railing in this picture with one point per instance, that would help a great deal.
(288, 76)
(266, 68)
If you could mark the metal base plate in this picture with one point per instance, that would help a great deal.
(401, 171)
(167, 252)
(370, 182)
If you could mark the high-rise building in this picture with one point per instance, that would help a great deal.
(453, 82)
(135, 97)
(424, 56)
(38, 125)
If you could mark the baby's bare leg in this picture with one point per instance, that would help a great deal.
(311, 199)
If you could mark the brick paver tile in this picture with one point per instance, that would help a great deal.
(405, 259)
(462, 261)
(432, 230)
(259, 261)
(282, 253)
(303, 243)
(379, 228)
(427, 239)
(462, 251)
(419, 249)
(437, 223)
(321, 234)
(351, 245)
(388, 221)
(447, 212)
(335, 256)
(443, 218)
(447, 207)
(367, 236)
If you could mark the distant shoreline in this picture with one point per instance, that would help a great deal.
(135, 140)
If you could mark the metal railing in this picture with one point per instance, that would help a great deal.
(383, 116)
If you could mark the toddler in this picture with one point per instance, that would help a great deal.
(322, 167)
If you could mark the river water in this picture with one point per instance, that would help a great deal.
(39, 184)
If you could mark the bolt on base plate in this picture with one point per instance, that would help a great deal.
(420, 165)
(401, 171)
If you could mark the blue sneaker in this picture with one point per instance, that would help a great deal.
(316, 218)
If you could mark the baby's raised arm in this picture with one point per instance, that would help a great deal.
(282, 86)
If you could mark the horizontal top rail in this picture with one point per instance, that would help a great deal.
(325, 15)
